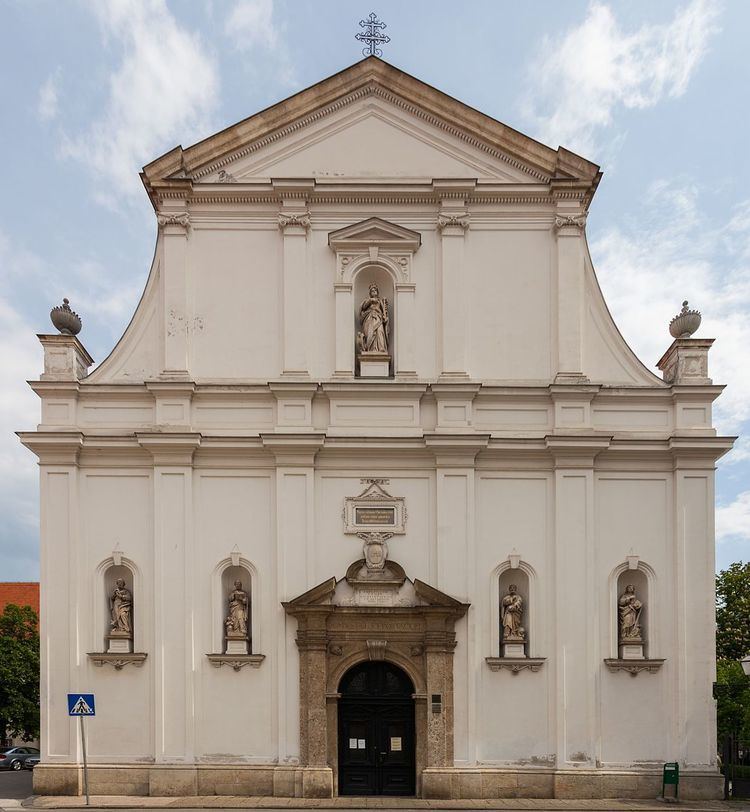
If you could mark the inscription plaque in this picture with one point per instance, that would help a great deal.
(375, 510)
(375, 515)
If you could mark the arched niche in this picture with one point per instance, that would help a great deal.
(375, 245)
(523, 576)
(224, 576)
(374, 273)
(643, 579)
(107, 574)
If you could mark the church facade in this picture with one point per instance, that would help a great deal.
(371, 497)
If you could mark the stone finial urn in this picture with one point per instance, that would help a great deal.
(685, 323)
(66, 320)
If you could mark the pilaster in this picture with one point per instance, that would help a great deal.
(452, 224)
(686, 362)
(576, 631)
(65, 358)
(173, 403)
(60, 560)
(174, 222)
(294, 223)
(173, 605)
(294, 455)
(569, 226)
(694, 565)
(455, 570)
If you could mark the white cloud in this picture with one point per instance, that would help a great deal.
(250, 22)
(251, 25)
(672, 252)
(733, 527)
(162, 93)
(48, 94)
(579, 82)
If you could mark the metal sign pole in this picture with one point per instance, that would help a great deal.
(85, 764)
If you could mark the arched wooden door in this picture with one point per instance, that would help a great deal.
(376, 731)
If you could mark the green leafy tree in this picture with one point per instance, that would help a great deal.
(19, 672)
(732, 644)
(733, 612)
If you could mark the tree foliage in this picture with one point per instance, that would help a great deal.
(732, 644)
(733, 612)
(19, 672)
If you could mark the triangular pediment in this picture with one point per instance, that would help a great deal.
(380, 233)
(370, 121)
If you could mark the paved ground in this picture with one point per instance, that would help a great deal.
(293, 804)
(14, 787)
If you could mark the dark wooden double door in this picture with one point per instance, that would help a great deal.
(376, 731)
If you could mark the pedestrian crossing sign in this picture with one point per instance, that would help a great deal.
(81, 705)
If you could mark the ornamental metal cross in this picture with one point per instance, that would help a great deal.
(372, 35)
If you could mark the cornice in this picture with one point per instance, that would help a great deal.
(170, 449)
(293, 450)
(369, 90)
(53, 447)
(576, 451)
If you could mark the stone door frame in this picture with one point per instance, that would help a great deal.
(331, 639)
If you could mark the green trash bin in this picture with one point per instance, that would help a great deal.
(671, 775)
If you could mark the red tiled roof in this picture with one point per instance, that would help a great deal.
(22, 593)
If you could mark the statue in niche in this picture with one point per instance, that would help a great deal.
(236, 622)
(121, 609)
(629, 609)
(373, 317)
(511, 615)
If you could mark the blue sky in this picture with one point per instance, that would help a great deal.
(657, 93)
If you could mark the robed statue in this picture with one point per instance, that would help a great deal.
(373, 317)
(236, 622)
(629, 609)
(121, 608)
(511, 615)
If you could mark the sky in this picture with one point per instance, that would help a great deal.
(656, 93)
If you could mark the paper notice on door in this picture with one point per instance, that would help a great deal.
(395, 744)
(361, 744)
(352, 744)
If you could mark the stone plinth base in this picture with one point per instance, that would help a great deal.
(514, 649)
(631, 651)
(488, 783)
(119, 643)
(236, 645)
(317, 782)
(374, 365)
(177, 780)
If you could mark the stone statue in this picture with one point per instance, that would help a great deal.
(511, 614)
(373, 316)
(236, 622)
(121, 609)
(629, 609)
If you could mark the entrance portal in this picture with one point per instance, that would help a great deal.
(376, 731)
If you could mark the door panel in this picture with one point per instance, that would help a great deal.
(376, 732)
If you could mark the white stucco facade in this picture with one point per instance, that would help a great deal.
(227, 428)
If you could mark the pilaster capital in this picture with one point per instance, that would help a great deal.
(293, 450)
(53, 447)
(299, 219)
(456, 450)
(698, 453)
(453, 223)
(170, 449)
(576, 451)
(570, 224)
(181, 219)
